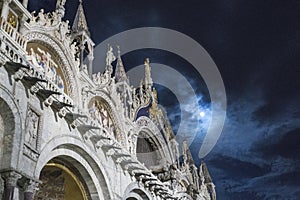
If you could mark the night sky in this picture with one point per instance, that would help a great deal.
(256, 47)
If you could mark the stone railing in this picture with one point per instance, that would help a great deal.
(12, 32)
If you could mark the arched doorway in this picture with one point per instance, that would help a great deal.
(61, 181)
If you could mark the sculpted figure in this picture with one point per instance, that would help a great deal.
(32, 129)
(41, 17)
(110, 57)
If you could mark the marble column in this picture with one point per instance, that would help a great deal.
(30, 187)
(10, 179)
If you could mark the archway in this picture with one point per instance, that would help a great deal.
(46, 61)
(78, 158)
(10, 131)
(134, 192)
(61, 181)
(147, 150)
(101, 111)
(150, 150)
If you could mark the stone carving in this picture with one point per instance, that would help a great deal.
(110, 57)
(60, 3)
(99, 112)
(64, 30)
(31, 186)
(44, 19)
(68, 73)
(148, 79)
(11, 178)
(31, 154)
(32, 129)
(103, 79)
(1, 186)
(45, 65)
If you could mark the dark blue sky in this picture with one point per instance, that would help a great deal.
(256, 46)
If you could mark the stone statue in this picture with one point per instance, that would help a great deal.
(110, 57)
(33, 18)
(63, 29)
(41, 18)
(60, 3)
(74, 49)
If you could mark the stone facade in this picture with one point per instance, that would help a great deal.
(62, 126)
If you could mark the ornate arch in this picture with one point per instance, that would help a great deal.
(12, 130)
(134, 191)
(68, 67)
(149, 129)
(110, 105)
(81, 157)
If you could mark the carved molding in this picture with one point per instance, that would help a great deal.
(67, 70)
(33, 128)
(11, 178)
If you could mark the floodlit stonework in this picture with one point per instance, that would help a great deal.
(66, 133)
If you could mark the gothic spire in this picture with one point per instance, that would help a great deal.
(80, 23)
(120, 73)
(187, 156)
(205, 172)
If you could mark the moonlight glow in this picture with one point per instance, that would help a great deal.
(202, 114)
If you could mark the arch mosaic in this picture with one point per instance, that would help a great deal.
(67, 68)
(83, 159)
(109, 104)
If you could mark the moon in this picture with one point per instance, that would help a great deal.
(202, 114)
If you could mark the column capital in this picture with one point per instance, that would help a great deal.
(11, 178)
(31, 186)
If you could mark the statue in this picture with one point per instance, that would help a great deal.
(63, 29)
(60, 3)
(55, 19)
(110, 57)
(33, 18)
(74, 49)
(41, 18)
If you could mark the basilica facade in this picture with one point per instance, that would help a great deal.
(68, 134)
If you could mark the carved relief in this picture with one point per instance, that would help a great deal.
(32, 128)
(68, 72)
(42, 60)
(99, 112)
